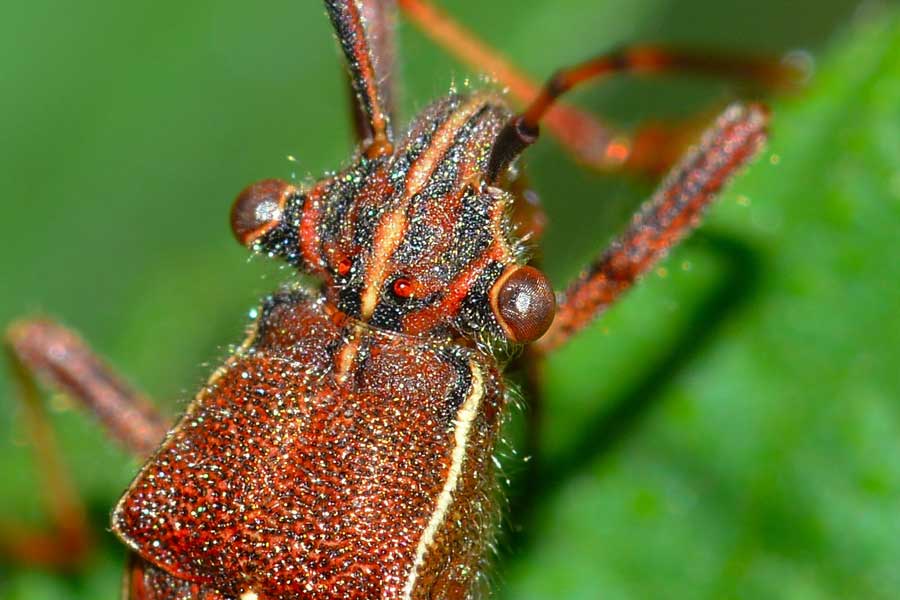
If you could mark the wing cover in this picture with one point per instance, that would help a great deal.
(325, 460)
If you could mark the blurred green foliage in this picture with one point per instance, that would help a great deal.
(731, 430)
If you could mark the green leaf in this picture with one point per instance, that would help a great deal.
(732, 430)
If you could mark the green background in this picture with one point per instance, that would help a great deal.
(731, 430)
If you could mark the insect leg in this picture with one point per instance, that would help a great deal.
(40, 349)
(364, 30)
(673, 211)
(651, 150)
(62, 359)
(144, 581)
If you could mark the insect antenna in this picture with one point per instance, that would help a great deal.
(523, 129)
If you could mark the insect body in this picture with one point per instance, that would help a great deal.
(345, 450)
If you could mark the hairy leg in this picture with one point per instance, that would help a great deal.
(42, 350)
(673, 211)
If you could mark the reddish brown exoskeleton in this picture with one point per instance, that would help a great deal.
(345, 450)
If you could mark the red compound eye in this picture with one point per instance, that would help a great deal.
(343, 267)
(402, 287)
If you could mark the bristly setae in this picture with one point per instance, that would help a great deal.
(345, 449)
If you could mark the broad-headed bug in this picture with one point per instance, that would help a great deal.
(345, 449)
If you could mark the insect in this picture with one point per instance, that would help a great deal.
(345, 449)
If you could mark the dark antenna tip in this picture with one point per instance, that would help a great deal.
(515, 136)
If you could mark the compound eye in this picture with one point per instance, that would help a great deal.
(258, 209)
(524, 303)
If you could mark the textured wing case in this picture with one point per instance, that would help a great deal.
(325, 460)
